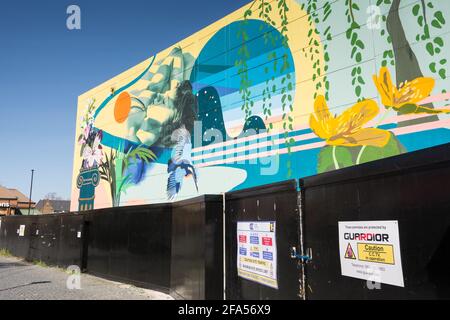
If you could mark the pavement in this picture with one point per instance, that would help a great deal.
(20, 280)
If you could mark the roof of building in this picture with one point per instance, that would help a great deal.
(6, 193)
(13, 194)
(57, 205)
(24, 212)
(20, 196)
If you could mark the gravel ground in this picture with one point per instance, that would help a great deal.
(20, 280)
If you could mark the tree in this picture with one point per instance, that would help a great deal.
(52, 196)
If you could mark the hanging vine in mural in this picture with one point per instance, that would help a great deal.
(398, 54)
(388, 54)
(287, 84)
(265, 8)
(357, 45)
(267, 91)
(435, 46)
(245, 84)
(264, 11)
(312, 51)
(328, 37)
(411, 83)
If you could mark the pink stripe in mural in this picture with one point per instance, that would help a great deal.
(435, 98)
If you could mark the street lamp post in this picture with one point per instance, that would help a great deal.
(31, 191)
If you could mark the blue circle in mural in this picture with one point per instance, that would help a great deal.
(217, 76)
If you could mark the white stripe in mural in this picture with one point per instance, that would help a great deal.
(444, 123)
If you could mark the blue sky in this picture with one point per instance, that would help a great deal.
(44, 67)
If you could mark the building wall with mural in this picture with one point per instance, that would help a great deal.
(276, 90)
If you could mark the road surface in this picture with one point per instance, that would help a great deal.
(20, 280)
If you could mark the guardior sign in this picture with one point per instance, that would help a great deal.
(257, 252)
(370, 250)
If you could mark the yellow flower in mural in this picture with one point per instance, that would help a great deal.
(405, 98)
(346, 129)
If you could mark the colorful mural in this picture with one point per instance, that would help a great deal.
(277, 90)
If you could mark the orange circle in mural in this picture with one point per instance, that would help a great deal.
(122, 107)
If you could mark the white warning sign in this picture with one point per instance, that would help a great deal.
(257, 252)
(370, 250)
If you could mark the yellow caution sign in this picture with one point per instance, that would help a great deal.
(380, 253)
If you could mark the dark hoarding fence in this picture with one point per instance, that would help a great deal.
(51, 239)
(257, 208)
(197, 240)
(412, 189)
(15, 235)
(131, 244)
(172, 247)
(176, 247)
(70, 240)
(47, 240)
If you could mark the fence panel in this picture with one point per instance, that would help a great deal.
(411, 189)
(278, 203)
(197, 262)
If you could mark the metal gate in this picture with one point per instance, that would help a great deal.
(272, 203)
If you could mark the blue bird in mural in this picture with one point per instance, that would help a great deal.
(180, 165)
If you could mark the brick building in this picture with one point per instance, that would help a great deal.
(14, 202)
(48, 206)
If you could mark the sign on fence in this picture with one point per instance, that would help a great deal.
(257, 252)
(22, 230)
(370, 250)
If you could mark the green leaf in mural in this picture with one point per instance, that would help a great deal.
(392, 148)
(414, 108)
(435, 23)
(325, 159)
(440, 17)
(433, 67)
(430, 48)
(439, 41)
(416, 9)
